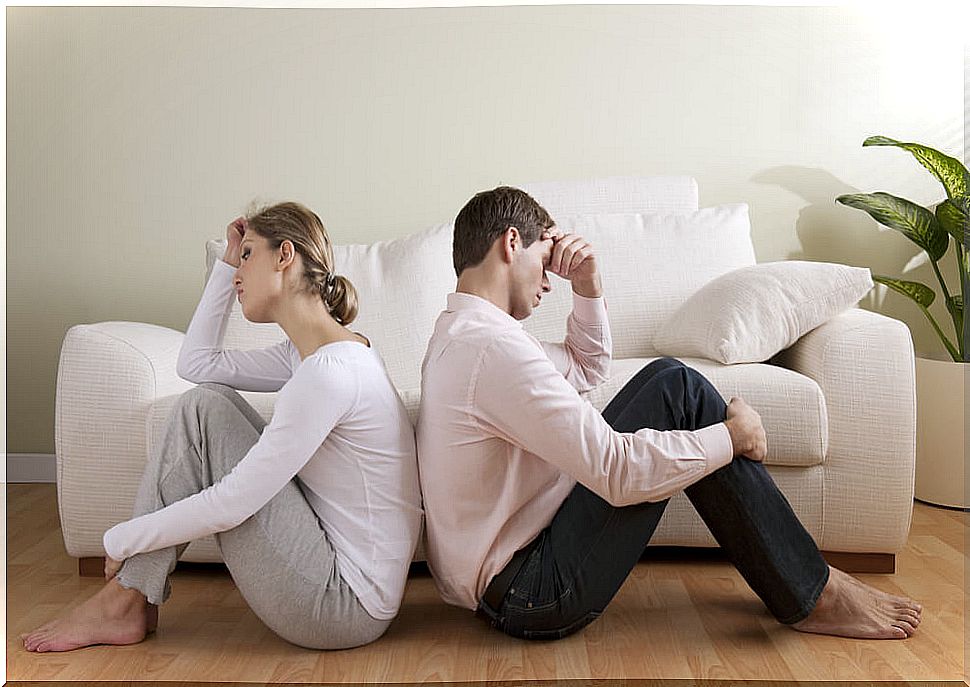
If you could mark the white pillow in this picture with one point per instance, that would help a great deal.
(650, 263)
(750, 314)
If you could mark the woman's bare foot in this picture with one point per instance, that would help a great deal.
(849, 608)
(114, 615)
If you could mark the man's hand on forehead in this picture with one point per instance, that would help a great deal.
(553, 232)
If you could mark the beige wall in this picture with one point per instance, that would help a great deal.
(134, 134)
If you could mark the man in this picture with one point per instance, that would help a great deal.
(538, 507)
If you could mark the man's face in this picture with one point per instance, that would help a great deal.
(528, 276)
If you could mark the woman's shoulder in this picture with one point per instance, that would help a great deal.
(343, 360)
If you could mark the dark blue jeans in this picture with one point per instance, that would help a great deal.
(575, 566)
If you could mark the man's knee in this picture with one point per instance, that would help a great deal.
(665, 363)
(686, 378)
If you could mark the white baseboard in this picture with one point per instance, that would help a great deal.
(31, 467)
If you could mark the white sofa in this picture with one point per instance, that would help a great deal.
(838, 406)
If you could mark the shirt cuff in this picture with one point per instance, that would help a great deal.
(589, 310)
(718, 448)
(108, 541)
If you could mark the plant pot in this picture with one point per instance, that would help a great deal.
(940, 434)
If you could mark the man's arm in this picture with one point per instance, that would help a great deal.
(583, 358)
(520, 396)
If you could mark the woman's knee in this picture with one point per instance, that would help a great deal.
(205, 393)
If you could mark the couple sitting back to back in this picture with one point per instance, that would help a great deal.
(536, 506)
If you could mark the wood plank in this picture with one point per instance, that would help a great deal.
(686, 616)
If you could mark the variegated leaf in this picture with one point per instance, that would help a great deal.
(921, 293)
(950, 171)
(914, 221)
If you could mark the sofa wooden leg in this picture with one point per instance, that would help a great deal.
(861, 562)
(90, 567)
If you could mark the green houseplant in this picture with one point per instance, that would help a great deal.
(941, 473)
(931, 231)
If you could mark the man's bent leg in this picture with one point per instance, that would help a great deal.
(740, 504)
(576, 565)
(579, 562)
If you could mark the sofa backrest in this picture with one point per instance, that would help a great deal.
(651, 264)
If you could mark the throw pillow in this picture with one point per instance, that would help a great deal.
(750, 314)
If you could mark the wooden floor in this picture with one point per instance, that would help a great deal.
(672, 619)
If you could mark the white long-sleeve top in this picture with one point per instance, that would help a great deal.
(338, 426)
(504, 435)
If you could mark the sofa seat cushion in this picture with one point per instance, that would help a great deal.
(791, 405)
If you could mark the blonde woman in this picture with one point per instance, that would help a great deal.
(317, 513)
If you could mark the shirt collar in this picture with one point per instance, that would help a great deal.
(467, 302)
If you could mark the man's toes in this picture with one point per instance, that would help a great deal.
(911, 617)
(905, 627)
(899, 633)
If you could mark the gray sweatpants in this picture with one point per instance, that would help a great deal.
(280, 558)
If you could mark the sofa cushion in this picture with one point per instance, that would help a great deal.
(751, 314)
(650, 264)
(791, 405)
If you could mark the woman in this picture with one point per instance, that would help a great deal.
(316, 514)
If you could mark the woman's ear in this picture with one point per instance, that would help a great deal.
(287, 254)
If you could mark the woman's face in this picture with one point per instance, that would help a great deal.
(257, 281)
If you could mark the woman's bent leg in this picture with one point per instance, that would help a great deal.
(280, 558)
(180, 467)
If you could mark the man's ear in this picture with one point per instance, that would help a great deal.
(511, 242)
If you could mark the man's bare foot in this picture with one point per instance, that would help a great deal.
(850, 608)
(114, 615)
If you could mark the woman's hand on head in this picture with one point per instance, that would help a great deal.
(111, 567)
(234, 237)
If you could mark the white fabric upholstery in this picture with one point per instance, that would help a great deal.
(752, 313)
(838, 405)
(615, 195)
(864, 364)
(651, 262)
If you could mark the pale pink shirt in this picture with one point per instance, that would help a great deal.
(504, 435)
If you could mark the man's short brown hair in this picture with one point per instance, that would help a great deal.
(487, 216)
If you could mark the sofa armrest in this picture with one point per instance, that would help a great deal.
(865, 366)
(108, 376)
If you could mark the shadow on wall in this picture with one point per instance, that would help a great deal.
(830, 232)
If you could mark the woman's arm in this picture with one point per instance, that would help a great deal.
(202, 357)
(310, 405)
